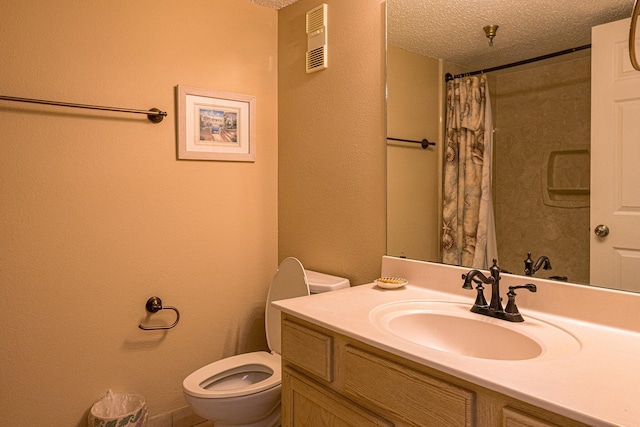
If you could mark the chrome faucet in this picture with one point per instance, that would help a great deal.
(530, 268)
(494, 308)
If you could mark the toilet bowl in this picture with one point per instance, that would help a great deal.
(244, 390)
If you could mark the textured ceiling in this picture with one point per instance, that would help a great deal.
(274, 4)
(452, 29)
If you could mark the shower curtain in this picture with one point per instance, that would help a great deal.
(468, 227)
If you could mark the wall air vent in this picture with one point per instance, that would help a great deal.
(316, 59)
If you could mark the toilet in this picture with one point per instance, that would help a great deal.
(244, 390)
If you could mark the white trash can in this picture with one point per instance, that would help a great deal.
(118, 410)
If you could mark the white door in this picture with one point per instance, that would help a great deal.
(615, 159)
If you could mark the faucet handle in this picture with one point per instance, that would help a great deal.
(480, 300)
(511, 310)
(530, 287)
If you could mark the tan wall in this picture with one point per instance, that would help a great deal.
(331, 147)
(413, 174)
(540, 109)
(98, 215)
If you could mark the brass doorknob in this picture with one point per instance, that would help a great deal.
(601, 230)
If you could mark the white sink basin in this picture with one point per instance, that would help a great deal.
(452, 328)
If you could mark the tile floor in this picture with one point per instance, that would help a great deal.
(183, 417)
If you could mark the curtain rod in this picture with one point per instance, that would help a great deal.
(425, 142)
(448, 76)
(154, 115)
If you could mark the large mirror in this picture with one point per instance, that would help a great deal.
(541, 124)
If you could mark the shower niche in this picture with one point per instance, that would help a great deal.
(565, 182)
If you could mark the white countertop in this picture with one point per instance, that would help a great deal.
(597, 385)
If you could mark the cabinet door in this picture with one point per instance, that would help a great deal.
(413, 396)
(511, 418)
(306, 404)
(308, 349)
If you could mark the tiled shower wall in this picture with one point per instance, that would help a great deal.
(537, 111)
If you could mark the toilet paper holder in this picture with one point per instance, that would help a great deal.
(154, 304)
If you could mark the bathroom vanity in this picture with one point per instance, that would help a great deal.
(345, 364)
(332, 380)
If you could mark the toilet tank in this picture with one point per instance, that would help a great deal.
(321, 282)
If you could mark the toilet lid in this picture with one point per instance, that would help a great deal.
(290, 281)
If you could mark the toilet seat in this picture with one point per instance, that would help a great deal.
(223, 378)
(290, 281)
(235, 378)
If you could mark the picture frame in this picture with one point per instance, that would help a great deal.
(215, 125)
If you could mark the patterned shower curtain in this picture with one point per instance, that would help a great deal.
(468, 228)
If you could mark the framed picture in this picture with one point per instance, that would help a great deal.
(215, 125)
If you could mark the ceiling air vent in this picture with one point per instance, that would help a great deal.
(317, 39)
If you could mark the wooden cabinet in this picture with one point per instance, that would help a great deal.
(513, 418)
(305, 403)
(309, 350)
(408, 393)
(332, 380)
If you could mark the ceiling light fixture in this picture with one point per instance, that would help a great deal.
(490, 31)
